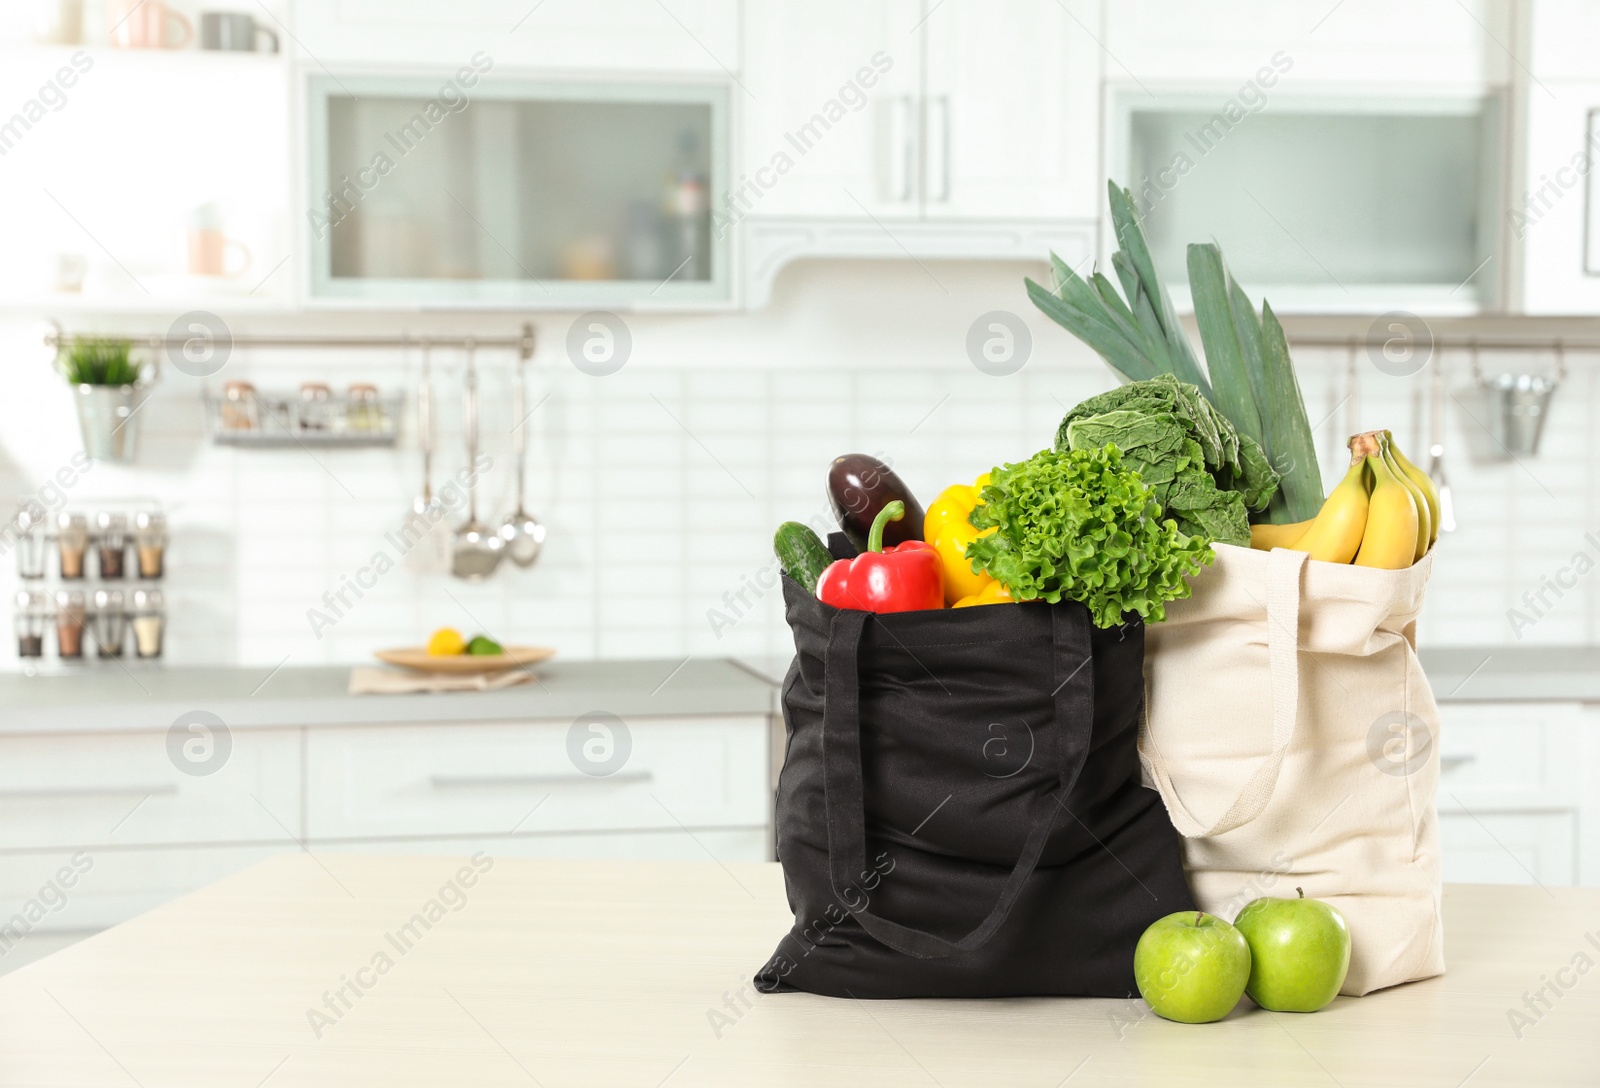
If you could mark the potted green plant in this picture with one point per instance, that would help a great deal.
(108, 388)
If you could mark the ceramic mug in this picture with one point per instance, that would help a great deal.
(57, 22)
(209, 246)
(208, 253)
(145, 24)
(233, 32)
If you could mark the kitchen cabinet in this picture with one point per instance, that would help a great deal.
(629, 36)
(1333, 202)
(1010, 107)
(830, 101)
(921, 129)
(1509, 848)
(489, 191)
(666, 844)
(122, 790)
(1562, 35)
(906, 109)
(1511, 792)
(498, 779)
(1367, 42)
(97, 827)
(1555, 205)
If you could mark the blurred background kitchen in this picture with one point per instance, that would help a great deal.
(718, 243)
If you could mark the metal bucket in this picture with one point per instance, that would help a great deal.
(107, 419)
(1519, 404)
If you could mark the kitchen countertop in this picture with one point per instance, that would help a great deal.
(1513, 673)
(113, 699)
(635, 974)
(108, 698)
(1460, 674)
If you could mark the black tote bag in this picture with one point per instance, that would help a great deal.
(960, 812)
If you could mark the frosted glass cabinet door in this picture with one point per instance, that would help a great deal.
(1341, 202)
(533, 194)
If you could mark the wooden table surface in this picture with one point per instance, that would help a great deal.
(593, 974)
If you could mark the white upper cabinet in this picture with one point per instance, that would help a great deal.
(1564, 37)
(1011, 95)
(627, 36)
(1374, 42)
(1555, 204)
(829, 93)
(1555, 198)
(920, 110)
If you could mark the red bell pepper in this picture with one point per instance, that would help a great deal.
(902, 578)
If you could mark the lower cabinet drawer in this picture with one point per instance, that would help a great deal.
(593, 774)
(1508, 756)
(1509, 848)
(196, 784)
(723, 844)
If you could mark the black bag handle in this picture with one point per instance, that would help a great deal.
(842, 776)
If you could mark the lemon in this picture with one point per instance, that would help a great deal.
(446, 642)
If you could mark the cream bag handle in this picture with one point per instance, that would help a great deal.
(1284, 568)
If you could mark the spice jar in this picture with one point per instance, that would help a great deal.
(362, 411)
(150, 541)
(112, 530)
(70, 616)
(33, 615)
(31, 545)
(149, 622)
(72, 542)
(315, 407)
(110, 621)
(239, 411)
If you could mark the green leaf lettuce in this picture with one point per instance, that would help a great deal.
(1080, 525)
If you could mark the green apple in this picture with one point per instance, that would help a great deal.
(1191, 967)
(1299, 952)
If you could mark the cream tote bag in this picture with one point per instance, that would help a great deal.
(1295, 741)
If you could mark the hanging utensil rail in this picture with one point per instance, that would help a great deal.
(523, 344)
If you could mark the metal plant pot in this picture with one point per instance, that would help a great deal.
(1520, 404)
(107, 416)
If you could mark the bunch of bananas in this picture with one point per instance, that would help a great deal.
(1384, 513)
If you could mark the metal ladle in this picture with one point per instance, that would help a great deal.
(425, 529)
(521, 531)
(478, 549)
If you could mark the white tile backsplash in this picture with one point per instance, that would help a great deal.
(661, 485)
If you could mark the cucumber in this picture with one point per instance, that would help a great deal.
(801, 554)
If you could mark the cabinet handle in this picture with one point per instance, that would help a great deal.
(53, 793)
(937, 162)
(903, 141)
(1450, 763)
(477, 781)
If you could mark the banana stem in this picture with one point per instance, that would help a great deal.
(1365, 445)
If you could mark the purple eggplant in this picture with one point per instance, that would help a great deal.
(860, 485)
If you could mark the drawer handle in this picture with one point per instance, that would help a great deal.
(78, 792)
(475, 781)
(1450, 763)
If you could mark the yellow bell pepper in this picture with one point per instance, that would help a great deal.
(993, 593)
(946, 527)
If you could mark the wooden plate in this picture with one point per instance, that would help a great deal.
(421, 660)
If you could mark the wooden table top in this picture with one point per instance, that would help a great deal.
(563, 973)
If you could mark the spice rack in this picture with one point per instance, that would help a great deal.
(119, 613)
(315, 415)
